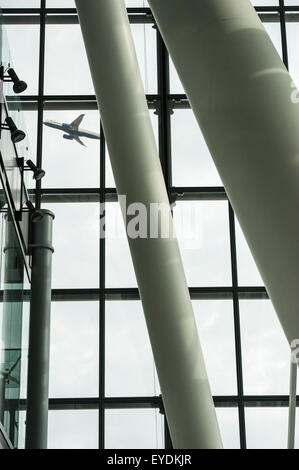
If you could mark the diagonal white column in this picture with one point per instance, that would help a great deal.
(247, 107)
(157, 261)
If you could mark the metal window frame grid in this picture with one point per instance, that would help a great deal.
(163, 101)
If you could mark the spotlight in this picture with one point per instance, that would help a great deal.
(16, 134)
(36, 214)
(38, 173)
(19, 85)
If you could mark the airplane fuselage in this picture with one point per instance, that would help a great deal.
(72, 132)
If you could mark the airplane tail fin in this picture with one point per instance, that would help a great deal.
(77, 139)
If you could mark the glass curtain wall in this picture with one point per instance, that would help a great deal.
(14, 326)
(104, 390)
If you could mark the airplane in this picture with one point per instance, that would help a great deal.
(72, 130)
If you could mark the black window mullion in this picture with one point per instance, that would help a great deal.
(102, 297)
(283, 33)
(237, 329)
(164, 110)
(40, 111)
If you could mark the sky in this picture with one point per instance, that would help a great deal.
(206, 257)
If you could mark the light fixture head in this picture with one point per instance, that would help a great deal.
(16, 134)
(19, 85)
(38, 173)
(36, 214)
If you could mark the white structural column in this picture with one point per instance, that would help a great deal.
(157, 262)
(247, 108)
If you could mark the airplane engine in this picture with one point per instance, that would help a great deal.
(68, 137)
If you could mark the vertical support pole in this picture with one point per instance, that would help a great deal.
(2, 397)
(292, 405)
(39, 331)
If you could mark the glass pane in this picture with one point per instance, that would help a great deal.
(136, 3)
(22, 429)
(191, 159)
(73, 69)
(73, 429)
(130, 369)
(66, 68)
(215, 323)
(175, 83)
(265, 350)
(292, 27)
(273, 29)
(248, 274)
(228, 420)
(76, 244)
(134, 429)
(19, 3)
(264, 3)
(24, 54)
(30, 120)
(110, 183)
(144, 36)
(74, 362)
(61, 4)
(67, 162)
(13, 329)
(203, 233)
(119, 266)
(71, 3)
(267, 428)
(27, 122)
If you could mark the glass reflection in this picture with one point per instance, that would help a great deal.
(12, 332)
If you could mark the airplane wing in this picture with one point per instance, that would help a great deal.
(76, 123)
(77, 139)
